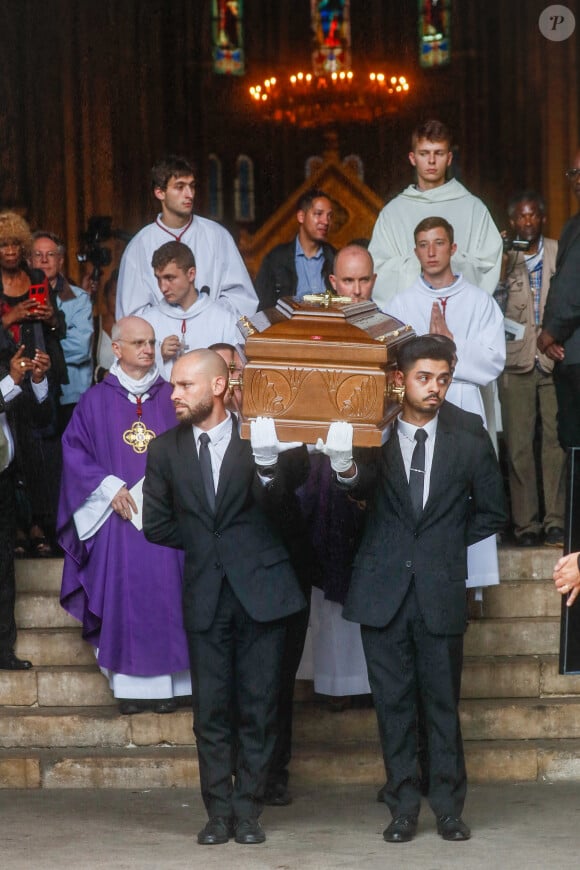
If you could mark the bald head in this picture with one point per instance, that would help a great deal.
(130, 325)
(200, 380)
(205, 361)
(353, 273)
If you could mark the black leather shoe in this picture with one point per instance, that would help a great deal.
(217, 831)
(165, 705)
(528, 539)
(554, 537)
(249, 832)
(10, 662)
(129, 708)
(277, 795)
(401, 830)
(452, 828)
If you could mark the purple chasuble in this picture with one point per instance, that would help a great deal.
(124, 590)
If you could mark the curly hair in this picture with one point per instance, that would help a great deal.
(14, 228)
(170, 167)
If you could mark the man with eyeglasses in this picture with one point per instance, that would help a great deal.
(124, 590)
(48, 254)
(560, 335)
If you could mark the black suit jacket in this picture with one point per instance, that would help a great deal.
(562, 311)
(240, 541)
(23, 412)
(465, 504)
(277, 276)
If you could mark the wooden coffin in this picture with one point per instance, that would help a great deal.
(320, 360)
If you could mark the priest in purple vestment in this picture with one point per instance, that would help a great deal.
(125, 590)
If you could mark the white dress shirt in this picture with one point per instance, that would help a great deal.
(406, 433)
(219, 440)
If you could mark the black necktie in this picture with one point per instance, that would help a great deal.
(206, 472)
(417, 473)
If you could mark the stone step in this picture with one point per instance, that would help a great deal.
(512, 598)
(515, 563)
(41, 610)
(482, 719)
(486, 761)
(62, 646)
(522, 719)
(523, 563)
(63, 728)
(516, 677)
(83, 686)
(360, 764)
(513, 636)
(38, 575)
(484, 677)
(521, 598)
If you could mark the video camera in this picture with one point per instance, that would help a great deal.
(92, 251)
(515, 245)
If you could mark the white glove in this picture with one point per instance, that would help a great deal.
(265, 444)
(338, 446)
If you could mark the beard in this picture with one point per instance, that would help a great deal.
(200, 412)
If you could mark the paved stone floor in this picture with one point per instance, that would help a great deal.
(515, 827)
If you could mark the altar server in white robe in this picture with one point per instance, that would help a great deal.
(444, 303)
(184, 319)
(477, 255)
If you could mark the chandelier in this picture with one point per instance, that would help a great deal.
(310, 100)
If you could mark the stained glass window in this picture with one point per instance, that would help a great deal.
(331, 29)
(434, 32)
(228, 36)
(215, 188)
(244, 199)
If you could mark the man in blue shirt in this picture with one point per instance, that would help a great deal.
(48, 255)
(304, 264)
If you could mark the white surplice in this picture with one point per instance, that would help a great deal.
(479, 244)
(219, 266)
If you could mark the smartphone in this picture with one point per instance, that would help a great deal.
(38, 293)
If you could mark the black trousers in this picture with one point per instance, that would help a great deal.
(405, 660)
(7, 585)
(235, 670)
(296, 628)
(567, 383)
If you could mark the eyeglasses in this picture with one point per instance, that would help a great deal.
(571, 174)
(41, 255)
(138, 343)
